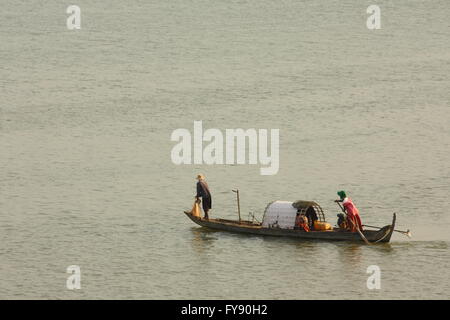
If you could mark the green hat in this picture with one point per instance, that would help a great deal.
(342, 194)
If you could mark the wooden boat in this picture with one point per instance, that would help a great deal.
(243, 226)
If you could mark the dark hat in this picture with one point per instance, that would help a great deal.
(342, 194)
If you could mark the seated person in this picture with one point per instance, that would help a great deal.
(342, 222)
(312, 216)
(301, 222)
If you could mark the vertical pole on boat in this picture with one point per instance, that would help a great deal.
(238, 203)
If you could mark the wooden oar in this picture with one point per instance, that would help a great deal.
(354, 224)
(406, 233)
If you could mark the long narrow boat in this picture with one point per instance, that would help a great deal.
(374, 236)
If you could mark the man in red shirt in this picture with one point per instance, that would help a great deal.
(353, 218)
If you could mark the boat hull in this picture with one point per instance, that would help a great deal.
(379, 236)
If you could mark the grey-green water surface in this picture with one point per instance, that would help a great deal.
(86, 116)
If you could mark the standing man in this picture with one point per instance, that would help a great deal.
(353, 218)
(203, 192)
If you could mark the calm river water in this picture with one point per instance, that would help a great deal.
(86, 176)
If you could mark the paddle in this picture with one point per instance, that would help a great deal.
(355, 225)
(406, 233)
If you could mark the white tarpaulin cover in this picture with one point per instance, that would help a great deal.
(281, 213)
